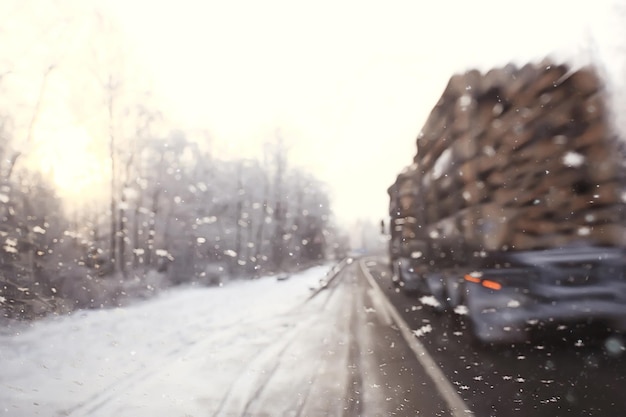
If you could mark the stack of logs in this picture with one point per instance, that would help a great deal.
(515, 159)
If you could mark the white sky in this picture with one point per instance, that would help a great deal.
(347, 83)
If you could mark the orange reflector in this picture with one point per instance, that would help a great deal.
(492, 285)
(471, 278)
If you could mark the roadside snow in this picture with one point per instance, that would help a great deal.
(83, 364)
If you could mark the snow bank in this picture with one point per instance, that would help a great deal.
(70, 365)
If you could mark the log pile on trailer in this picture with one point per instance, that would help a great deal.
(513, 159)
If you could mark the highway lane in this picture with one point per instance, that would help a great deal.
(391, 379)
(560, 374)
(341, 355)
(338, 354)
(335, 353)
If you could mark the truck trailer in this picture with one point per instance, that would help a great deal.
(512, 210)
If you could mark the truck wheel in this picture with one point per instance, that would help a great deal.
(396, 273)
(467, 321)
(453, 292)
(436, 287)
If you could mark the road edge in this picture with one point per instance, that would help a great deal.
(456, 405)
(332, 273)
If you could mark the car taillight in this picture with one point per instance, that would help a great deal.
(472, 278)
(487, 283)
(492, 285)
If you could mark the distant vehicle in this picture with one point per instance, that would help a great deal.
(357, 253)
(283, 276)
(513, 205)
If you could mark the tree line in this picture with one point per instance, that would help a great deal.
(167, 209)
(176, 215)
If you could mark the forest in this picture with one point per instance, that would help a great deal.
(149, 204)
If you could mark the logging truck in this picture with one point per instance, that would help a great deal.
(512, 210)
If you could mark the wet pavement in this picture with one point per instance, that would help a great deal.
(564, 372)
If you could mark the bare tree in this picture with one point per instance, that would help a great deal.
(239, 214)
(28, 140)
(280, 203)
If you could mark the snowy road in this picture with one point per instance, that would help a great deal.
(255, 348)
(285, 348)
(190, 352)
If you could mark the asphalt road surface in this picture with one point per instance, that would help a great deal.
(361, 347)
(564, 372)
(342, 355)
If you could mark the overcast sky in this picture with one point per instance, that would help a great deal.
(347, 83)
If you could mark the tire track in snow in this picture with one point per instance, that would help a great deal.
(99, 399)
(322, 366)
(271, 358)
(223, 335)
(327, 361)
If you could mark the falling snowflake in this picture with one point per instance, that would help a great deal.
(429, 300)
(614, 346)
(573, 159)
(549, 400)
(465, 100)
(9, 249)
(423, 330)
(461, 310)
